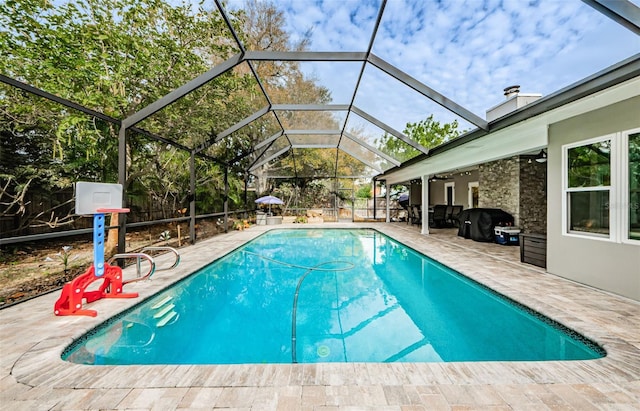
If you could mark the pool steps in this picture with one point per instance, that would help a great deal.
(167, 318)
(165, 312)
(162, 302)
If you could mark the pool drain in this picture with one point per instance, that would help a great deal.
(323, 351)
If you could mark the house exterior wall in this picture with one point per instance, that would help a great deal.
(436, 192)
(603, 264)
(462, 187)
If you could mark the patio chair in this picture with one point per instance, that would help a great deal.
(439, 215)
(452, 218)
(447, 215)
(416, 215)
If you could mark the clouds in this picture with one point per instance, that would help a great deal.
(336, 25)
(466, 50)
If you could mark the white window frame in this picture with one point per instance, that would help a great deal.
(453, 192)
(618, 189)
(612, 236)
(624, 184)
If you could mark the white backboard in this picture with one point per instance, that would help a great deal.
(91, 197)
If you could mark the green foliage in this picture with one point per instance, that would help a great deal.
(428, 132)
(364, 192)
(304, 193)
(301, 219)
(113, 57)
(64, 257)
(116, 58)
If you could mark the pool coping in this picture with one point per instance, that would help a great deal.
(32, 358)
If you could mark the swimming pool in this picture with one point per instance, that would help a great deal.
(319, 295)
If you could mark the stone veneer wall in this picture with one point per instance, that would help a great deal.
(518, 187)
(533, 196)
(499, 186)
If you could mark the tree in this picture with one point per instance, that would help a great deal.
(285, 82)
(364, 192)
(428, 132)
(114, 57)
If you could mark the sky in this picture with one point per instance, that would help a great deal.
(469, 51)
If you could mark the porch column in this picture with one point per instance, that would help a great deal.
(374, 199)
(425, 204)
(386, 186)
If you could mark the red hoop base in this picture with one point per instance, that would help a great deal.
(70, 301)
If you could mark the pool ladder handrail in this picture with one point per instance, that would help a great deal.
(138, 257)
(152, 267)
(164, 248)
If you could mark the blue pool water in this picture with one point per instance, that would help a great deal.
(316, 295)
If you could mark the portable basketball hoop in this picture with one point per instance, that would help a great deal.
(96, 199)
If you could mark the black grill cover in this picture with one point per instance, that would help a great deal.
(478, 223)
(464, 226)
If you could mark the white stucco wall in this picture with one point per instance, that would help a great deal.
(607, 265)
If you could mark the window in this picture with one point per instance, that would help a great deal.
(632, 140)
(601, 184)
(588, 188)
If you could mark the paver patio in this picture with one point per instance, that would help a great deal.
(34, 377)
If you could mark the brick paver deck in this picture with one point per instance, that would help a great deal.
(33, 377)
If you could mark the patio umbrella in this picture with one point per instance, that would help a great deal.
(269, 200)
